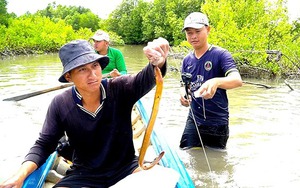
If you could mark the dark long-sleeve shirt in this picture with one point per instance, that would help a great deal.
(102, 141)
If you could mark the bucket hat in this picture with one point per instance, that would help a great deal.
(77, 53)
(195, 20)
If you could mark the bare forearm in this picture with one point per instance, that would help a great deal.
(17, 180)
(209, 88)
(26, 169)
(233, 80)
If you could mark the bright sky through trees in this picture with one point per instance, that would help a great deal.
(103, 7)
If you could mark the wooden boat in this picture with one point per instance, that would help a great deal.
(43, 177)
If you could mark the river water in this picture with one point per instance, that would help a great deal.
(263, 149)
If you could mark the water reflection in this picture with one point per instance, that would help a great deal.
(262, 150)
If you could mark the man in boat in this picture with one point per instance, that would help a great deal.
(208, 71)
(116, 66)
(96, 116)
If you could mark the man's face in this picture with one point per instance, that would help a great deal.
(197, 37)
(101, 46)
(87, 77)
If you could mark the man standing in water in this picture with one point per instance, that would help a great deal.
(209, 71)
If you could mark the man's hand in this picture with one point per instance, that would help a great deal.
(184, 101)
(208, 89)
(13, 182)
(157, 51)
(16, 181)
(114, 73)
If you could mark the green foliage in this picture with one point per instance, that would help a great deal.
(248, 29)
(296, 30)
(115, 40)
(248, 34)
(126, 21)
(41, 35)
(49, 29)
(165, 19)
(4, 16)
(2, 38)
(138, 22)
(84, 33)
(77, 17)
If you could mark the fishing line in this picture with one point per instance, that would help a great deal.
(204, 115)
(193, 116)
(198, 132)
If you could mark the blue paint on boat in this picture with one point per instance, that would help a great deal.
(38, 177)
(170, 158)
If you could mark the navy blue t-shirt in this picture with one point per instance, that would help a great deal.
(215, 62)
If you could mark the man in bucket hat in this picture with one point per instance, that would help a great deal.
(96, 116)
(208, 71)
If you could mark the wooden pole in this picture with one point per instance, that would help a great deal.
(28, 95)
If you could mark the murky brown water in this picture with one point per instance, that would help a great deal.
(263, 148)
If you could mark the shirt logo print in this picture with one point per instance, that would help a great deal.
(208, 65)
